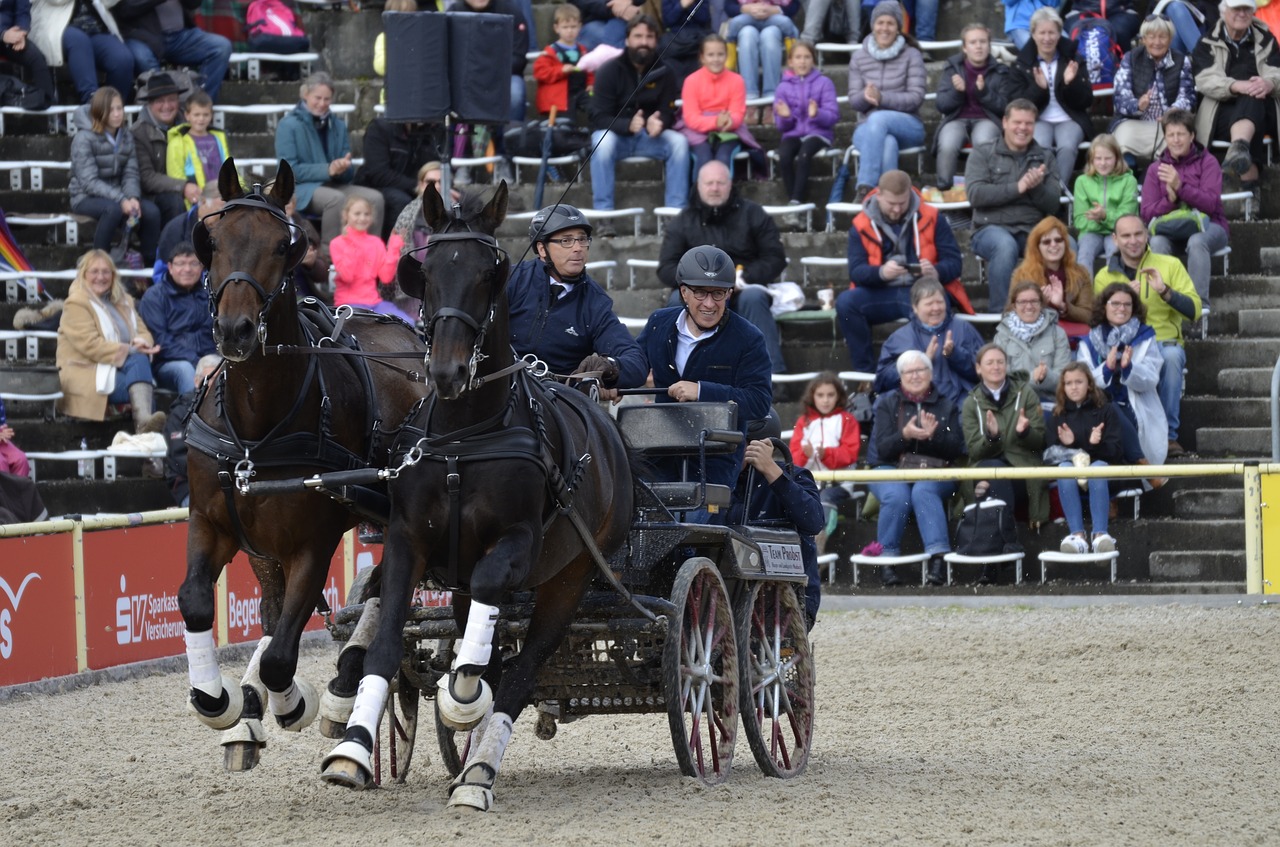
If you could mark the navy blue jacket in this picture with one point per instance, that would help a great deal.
(954, 375)
(575, 326)
(792, 497)
(179, 320)
(731, 365)
(887, 444)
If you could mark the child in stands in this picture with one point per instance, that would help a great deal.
(806, 111)
(715, 107)
(560, 83)
(12, 460)
(1104, 193)
(359, 257)
(196, 152)
(1084, 421)
(827, 437)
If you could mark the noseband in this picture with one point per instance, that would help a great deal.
(481, 327)
(297, 249)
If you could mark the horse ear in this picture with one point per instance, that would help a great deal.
(433, 210)
(495, 212)
(229, 181)
(409, 276)
(282, 187)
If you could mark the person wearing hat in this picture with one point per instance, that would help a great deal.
(166, 31)
(1237, 73)
(159, 114)
(562, 315)
(702, 351)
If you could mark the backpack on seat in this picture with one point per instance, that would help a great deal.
(1096, 47)
(272, 17)
(986, 529)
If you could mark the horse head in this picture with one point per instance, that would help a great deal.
(461, 281)
(250, 248)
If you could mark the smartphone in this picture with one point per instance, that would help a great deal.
(914, 268)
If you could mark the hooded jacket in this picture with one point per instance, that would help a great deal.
(901, 79)
(1201, 186)
(179, 319)
(1135, 386)
(100, 168)
(1020, 450)
(182, 161)
(739, 227)
(925, 235)
(796, 92)
(1075, 97)
(953, 375)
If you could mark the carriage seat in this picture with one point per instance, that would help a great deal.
(683, 431)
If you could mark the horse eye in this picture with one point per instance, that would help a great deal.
(282, 248)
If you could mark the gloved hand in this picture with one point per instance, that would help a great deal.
(607, 367)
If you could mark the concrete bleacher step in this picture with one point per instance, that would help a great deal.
(1198, 565)
(1195, 503)
(1260, 323)
(1244, 382)
(121, 495)
(1210, 357)
(1235, 442)
(1209, 409)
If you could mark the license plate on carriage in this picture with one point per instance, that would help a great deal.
(782, 559)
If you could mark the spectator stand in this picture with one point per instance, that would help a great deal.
(778, 213)
(1053, 557)
(249, 65)
(844, 51)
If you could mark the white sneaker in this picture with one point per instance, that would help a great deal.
(1074, 544)
(1103, 543)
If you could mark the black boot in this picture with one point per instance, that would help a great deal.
(937, 571)
(990, 573)
(888, 576)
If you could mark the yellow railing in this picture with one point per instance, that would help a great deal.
(1259, 535)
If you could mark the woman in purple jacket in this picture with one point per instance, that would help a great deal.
(806, 111)
(1185, 176)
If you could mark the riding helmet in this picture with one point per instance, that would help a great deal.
(552, 219)
(706, 267)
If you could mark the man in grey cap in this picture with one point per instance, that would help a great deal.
(160, 113)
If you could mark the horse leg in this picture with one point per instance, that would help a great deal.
(214, 699)
(350, 764)
(243, 743)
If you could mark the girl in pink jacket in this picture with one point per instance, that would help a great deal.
(359, 257)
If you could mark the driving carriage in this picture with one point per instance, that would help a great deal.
(703, 622)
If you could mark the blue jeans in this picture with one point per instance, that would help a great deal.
(761, 41)
(925, 499)
(670, 147)
(1095, 244)
(517, 98)
(1186, 32)
(878, 138)
(210, 53)
(1019, 37)
(177, 375)
(612, 32)
(1199, 251)
(1003, 251)
(1170, 387)
(110, 217)
(136, 368)
(85, 54)
(924, 14)
(1099, 501)
(858, 309)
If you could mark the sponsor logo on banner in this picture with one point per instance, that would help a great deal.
(146, 617)
(37, 608)
(782, 559)
(6, 613)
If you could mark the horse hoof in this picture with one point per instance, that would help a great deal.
(228, 716)
(348, 765)
(242, 746)
(462, 716)
(468, 796)
(545, 728)
(335, 711)
(310, 706)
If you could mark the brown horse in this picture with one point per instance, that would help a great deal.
(516, 485)
(277, 417)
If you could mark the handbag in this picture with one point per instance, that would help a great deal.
(921, 462)
(1180, 224)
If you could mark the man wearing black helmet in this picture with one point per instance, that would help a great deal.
(703, 351)
(563, 316)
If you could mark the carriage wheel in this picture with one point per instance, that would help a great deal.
(455, 746)
(700, 673)
(393, 748)
(777, 679)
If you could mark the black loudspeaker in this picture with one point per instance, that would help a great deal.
(479, 66)
(417, 47)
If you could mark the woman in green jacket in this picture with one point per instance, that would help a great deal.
(1003, 426)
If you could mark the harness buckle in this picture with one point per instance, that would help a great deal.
(243, 473)
(453, 481)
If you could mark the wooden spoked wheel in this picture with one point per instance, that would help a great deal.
(777, 679)
(700, 669)
(393, 748)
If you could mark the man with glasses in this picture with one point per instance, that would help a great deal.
(701, 351)
(717, 216)
(563, 316)
(1165, 288)
(1237, 72)
(177, 312)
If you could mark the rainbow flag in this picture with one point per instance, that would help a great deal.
(11, 256)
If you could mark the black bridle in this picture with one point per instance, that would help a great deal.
(298, 247)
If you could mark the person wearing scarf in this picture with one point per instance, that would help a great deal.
(1036, 347)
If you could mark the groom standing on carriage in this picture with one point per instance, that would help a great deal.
(562, 315)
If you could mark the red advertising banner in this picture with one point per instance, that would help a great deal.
(131, 581)
(37, 608)
(368, 555)
(244, 598)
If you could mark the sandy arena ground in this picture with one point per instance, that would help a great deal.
(1102, 725)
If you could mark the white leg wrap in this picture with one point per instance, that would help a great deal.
(493, 744)
(370, 700)
(285, 702)
(202, 663)
(252, 677)
(477, 643)
(474, 786)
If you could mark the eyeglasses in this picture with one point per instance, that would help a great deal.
(569, 241)
(1025, 302)
(914, 372)
(1119, 304)
(1054, 240)
(716, 294)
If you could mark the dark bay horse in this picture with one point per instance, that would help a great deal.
(517, 482)
(277, 417)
